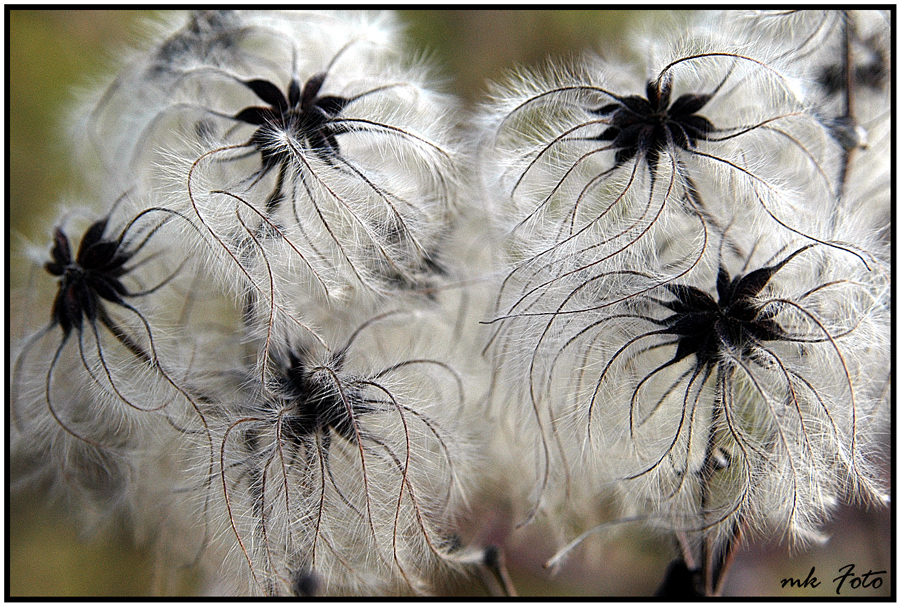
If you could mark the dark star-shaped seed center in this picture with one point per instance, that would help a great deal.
(646, 126)
(303, 114)
(316, 402)
(92, 276)
(706, 327)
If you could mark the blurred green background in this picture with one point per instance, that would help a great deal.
(51, 52)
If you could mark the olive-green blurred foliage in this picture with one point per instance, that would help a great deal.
(50, 53)
(476, 46)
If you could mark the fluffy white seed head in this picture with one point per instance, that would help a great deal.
(341, 465)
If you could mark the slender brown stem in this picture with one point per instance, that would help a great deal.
(495, 563)
(687, 553)
(708, 552)
(727, 559)
(715, 560)
(848, 119)
(848, 65)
